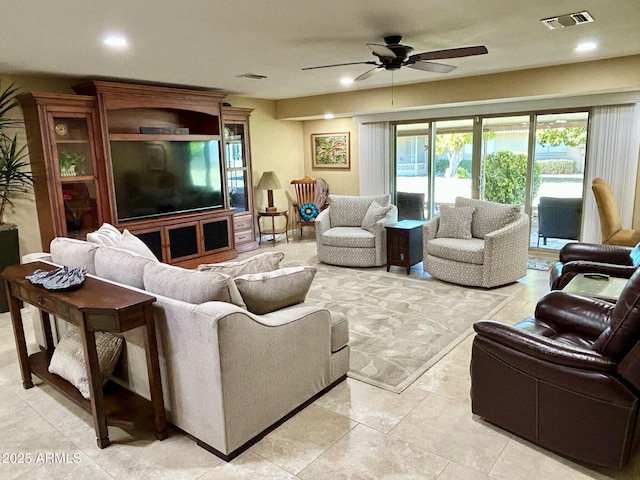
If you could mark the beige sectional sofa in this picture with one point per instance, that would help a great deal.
(228, 375)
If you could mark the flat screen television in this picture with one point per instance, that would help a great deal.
(164, 177)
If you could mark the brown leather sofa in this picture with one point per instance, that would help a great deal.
(575, 258)
(567, 379)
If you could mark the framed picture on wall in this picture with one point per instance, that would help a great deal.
(331, 150)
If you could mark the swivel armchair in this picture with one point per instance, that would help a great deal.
(567, 379)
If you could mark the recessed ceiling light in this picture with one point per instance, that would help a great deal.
(115, 41)
(586, 46)
(328, 116)
(346, 81)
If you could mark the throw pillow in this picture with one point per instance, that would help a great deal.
(489, 216)
(73, 253)
(263, 262)
(374, 214)
(271, 291)
(68, 358)
(107, 234)
(455, 222)
(190, 286)
(308, 212)
(130, 242)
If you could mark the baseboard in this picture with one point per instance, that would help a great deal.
(230, 456)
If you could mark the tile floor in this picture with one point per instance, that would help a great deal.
(356, 431)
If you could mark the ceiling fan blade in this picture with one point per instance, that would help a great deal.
(431, 67)
(367, 74)
(381, 50)
(340, 65)
(450, 53)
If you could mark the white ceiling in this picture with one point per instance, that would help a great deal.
(208, 43)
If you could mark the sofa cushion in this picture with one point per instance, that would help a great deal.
(263, 262)
(349, 211)
(489, 216)
(375, 213)
(352, 237)
(455, 222)
(122, 266)
(465, 251)
(130, 242)
(190, 286)
(270, 291)
(68, 358)
(107, 234)
(339, 331)
(73, 253)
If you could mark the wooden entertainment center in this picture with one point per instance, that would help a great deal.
(171, 165)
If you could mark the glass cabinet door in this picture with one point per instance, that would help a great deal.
(74, 165)
(236, 166)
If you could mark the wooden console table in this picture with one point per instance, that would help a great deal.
(96, 306)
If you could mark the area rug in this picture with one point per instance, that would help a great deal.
(399, 326)
(540, 264)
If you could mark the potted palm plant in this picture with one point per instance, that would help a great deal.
(15, 180)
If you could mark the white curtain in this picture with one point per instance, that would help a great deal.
(614, 150)
(375, 158)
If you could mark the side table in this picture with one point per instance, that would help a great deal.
(404, 243)
(607, 288)
(97, 306)
(273, 230)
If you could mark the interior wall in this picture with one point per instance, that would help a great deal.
(341, 181)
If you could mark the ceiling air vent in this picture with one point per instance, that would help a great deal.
(252, 76)
(568, 20)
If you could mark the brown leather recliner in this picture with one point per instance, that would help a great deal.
(568, 379)
(575, 258)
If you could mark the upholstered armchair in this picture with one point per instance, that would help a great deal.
(559, 218)
(610, 223)
(477, 243)
(567, 379)
(576, 258)
(351, 232)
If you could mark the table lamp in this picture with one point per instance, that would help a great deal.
(269, 182)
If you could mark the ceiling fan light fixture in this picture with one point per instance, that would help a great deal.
(346, 81)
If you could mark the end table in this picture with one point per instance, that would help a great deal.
(273, 230)
(404, 243)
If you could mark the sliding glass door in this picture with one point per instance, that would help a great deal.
(534, 160)
(453, 161)
(559, 165)
(412, 169)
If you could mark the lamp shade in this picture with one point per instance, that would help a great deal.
(269, 181)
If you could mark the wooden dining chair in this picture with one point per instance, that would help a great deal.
(309, 192)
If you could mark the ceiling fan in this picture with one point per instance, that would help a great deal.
(394, 55)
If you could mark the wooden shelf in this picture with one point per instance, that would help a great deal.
(77, 178)
(114, 137)
(67, 140)
(123, 407)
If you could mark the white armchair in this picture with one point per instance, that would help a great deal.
(495, 252)
(351, 232)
